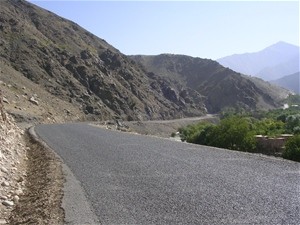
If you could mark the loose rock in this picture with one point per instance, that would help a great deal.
(19, 192)
(5, 100)
(3, 221)
(8, 203)
(20, 179)
(4, 170)
(32, 100)
(5, 184)
(16, 198)
(3, 198)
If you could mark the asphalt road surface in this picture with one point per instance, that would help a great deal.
(135, 179)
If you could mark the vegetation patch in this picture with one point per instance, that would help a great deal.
(292, 149)
(240, 130)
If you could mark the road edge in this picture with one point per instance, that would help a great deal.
(74, 202)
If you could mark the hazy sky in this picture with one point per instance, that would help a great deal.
(206, 29)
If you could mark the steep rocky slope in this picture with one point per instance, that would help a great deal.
(221, 86)
(87, 77)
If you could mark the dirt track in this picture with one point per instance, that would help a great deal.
(166, 127)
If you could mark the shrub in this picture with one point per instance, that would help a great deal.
(194, 133)
(234, 133)
(292, 149)
(269, 127)
(292, 122)
(296, 130)
(204, 134)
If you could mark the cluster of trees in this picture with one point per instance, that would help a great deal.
(237, 130)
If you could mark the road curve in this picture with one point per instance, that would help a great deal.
(135, 179)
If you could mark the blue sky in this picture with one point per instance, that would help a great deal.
(206, 29)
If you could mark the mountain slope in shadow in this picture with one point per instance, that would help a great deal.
(222, 87)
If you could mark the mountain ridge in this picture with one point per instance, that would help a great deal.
(267, 63)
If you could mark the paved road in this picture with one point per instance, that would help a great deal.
(134, 179)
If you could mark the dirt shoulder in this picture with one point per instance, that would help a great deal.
(41, 202)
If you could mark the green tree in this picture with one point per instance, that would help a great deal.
(292, 122)
(204, 134)
(195, 133)
(269, 127)
(234, 133)
(292, 149)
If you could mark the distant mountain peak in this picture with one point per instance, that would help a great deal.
(284, 43)
(270, 63)
(282, 47)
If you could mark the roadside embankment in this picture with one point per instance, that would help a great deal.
(30, 177)
(13, 160)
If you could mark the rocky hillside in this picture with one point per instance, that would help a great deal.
(53, 70)
(221, 86)
(63, 70)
